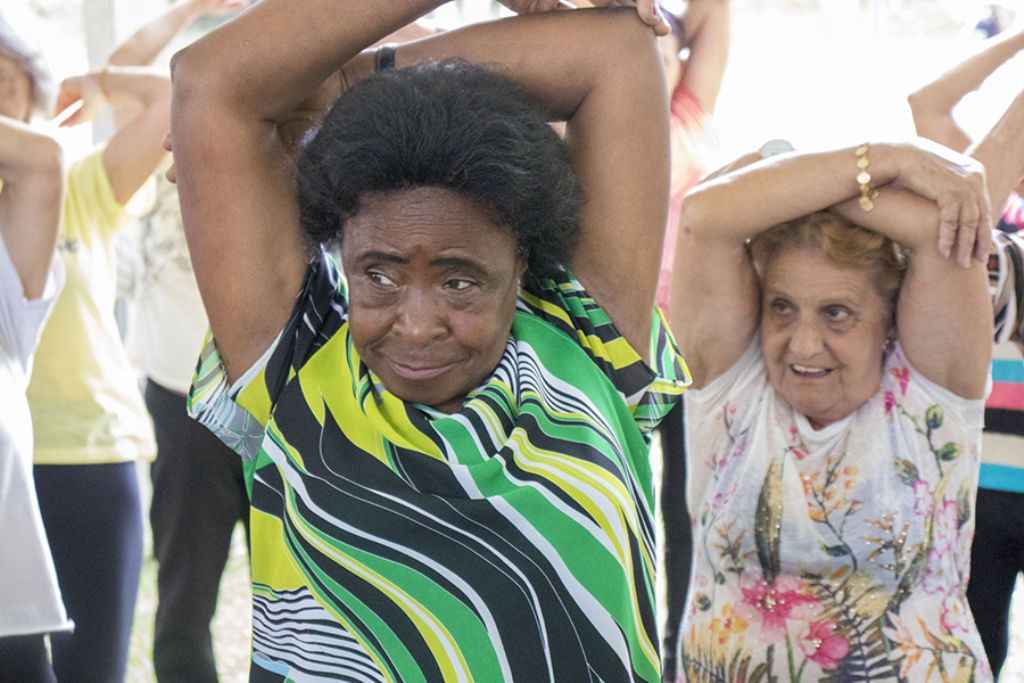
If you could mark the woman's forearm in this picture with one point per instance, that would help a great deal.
(149, 40)
(942, 94)
(932, 105)
(738, 205)
(254, 66)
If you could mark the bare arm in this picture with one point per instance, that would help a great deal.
(225, 147)
(932, 104)
(135, 150)
(706, 26)
(718, 313)
(235, 180)
(143, 46)
(31, 167)
(953, 349)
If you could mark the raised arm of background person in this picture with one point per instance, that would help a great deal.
(143, 46)
(235, 180)
(32, 170)
(932, 104)
(706, 33)
(718, 310)
(135, 150)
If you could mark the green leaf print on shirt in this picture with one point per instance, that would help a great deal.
(768, 521)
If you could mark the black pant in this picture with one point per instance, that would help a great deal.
(93, 520)
(996, 558)
(198, 498)
(23, 660)
(678, 534)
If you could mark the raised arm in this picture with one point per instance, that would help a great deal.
(714, 272)
(932, 104)
(237, 182)
(143, 46)
(31, 168)
(706, 34)
(953, 348)
(135, 150)
(235, 179)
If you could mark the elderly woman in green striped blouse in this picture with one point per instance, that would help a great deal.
(446, 446)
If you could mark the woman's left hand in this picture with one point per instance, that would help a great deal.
(647, 10)
(956, 183)
(85, 89)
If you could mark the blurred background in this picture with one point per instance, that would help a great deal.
(816, 72)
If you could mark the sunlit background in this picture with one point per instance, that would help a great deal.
(816, 72)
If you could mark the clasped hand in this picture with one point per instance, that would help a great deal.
(957, 185)
(647, 10)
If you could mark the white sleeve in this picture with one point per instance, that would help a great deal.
(21, 320)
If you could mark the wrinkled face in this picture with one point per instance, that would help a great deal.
(823, 328)
(433, 282)
(15, 90)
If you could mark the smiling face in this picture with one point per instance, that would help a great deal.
(15, 90)
(433, 281)
(823, 328)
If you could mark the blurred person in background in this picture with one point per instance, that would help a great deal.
(31, 192)
(89, 424)
(694, 55)
(198, 492)
(997, 557)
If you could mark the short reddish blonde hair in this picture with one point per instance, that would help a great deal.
(841, 242)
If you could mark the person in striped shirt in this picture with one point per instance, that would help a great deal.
(446, 437)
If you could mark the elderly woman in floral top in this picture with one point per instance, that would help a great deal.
(837, 409)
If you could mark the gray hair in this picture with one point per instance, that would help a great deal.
(30, 59)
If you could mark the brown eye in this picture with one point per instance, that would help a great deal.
(837, 314)
(379, 278)
(459, 284)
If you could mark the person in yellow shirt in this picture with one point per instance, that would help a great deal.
(89, 423)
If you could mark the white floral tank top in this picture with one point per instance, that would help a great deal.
(834, 554)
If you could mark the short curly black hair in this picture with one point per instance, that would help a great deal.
(448, 124)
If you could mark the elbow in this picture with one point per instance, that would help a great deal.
(46, 167)
(628, 41)
(694, 219)
(46, 162)
(49, 156)
(916, 101)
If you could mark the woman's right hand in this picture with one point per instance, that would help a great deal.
(86, 89)
(646, 10)
(956, 183)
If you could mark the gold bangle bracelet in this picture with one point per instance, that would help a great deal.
(867, 195)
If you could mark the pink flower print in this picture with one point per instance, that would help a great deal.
(946, 527)
(902, 376)
(940, 573)
(890, 401)
(820, 645)
(739, 447)
(722, 500)
(771, 605)
(955, 617)
(924, 499)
